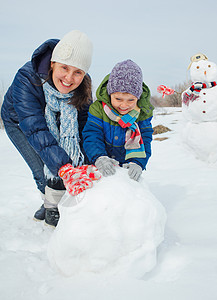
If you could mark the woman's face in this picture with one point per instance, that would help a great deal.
(66, 78)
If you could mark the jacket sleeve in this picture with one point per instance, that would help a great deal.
(82, 120)
(93, 136)
(146, 133)
(28, 101)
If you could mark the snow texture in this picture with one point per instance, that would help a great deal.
(186, 265)
(115, 227)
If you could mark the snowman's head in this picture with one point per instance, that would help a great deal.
(203, 71)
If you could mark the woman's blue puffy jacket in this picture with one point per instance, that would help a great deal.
(24, 106)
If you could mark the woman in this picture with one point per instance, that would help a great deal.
(45, 110)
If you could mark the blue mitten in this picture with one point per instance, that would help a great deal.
(134, 172)
(106, 165)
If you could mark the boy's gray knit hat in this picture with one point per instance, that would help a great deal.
(126, 77)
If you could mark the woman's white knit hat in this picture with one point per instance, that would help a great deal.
(74, 49)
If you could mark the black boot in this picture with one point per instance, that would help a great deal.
(52, 216)
(40, 214)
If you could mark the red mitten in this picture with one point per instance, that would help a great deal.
(165, 90)
(76, 180)
(91, 171)
(75, 187)
(67, 171)
(187, 98)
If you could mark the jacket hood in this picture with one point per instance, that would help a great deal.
(143, 102)
(41, 57)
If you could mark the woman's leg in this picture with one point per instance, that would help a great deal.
(30, 156)
(32, 159)
(54, 191)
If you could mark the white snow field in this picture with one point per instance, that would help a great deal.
(186, 260)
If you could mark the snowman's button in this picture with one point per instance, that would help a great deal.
(204, 112)
(204, 101)
(204, 93)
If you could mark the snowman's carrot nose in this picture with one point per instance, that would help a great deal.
(204, 72)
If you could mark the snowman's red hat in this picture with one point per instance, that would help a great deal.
(197, 57)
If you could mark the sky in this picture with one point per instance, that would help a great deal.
(159, 36)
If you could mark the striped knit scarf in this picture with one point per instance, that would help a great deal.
(133, 140)
(198, 86)
(67, 135)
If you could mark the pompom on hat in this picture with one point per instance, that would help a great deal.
(126, 77)
(197, 57)
(74, 49)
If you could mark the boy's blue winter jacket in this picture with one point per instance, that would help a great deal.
(24, 105)
(104, 137)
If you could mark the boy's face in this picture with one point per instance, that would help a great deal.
(123, 102)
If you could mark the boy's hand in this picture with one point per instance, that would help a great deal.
(106, 165)
(134, 172)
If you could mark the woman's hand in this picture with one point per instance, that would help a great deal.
(76, 180)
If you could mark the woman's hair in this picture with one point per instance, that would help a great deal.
(82, 94)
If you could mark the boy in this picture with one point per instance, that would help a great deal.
(118, 129)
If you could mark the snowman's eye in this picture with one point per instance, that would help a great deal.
(209, 66)
(198, 67)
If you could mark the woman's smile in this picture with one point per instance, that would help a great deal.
(66, 78)
(66, 84)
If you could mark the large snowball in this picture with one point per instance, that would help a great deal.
(116, 227)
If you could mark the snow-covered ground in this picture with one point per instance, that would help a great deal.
(186, 265)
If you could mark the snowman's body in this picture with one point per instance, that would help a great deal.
(204, 108)
(200, 132)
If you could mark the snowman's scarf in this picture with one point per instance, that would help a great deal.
(133, 140)
(198, 86)
(67, 135)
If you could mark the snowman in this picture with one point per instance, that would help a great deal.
(199, 107)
